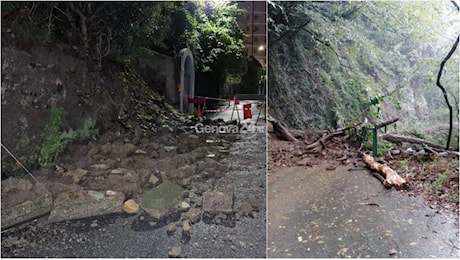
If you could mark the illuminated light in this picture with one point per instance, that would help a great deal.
(261, 48)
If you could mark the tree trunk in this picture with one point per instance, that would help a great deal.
(438, 83)
(83, 26)
(282, 132)
(400, 139)
(389, 122)
(321, 141)
(391, 177)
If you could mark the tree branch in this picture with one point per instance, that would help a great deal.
(291, 32)
(438, 83)
(455, 4)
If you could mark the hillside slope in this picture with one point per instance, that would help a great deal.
(333, 63)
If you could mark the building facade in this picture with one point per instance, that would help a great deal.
(254, 25)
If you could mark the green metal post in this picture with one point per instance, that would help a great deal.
(374, 141)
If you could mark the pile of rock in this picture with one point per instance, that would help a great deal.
(165, 180)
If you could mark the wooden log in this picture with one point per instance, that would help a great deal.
(282, 132)
(400, 138)
(327, 135)
(389, 122)
(391, 177)
(322, 140)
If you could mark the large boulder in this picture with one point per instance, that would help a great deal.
(118, 149)
(174, 162)
(128, 182)
(185, 171)
(23, 200)
(162, 199)
(81, 204)
(218, 202)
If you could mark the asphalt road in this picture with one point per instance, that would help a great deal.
(112, 236)
(314, 212)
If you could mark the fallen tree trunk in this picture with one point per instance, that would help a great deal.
(391, 177)
(282, 132)
(400, 138)
(389, 122)
(321, 141)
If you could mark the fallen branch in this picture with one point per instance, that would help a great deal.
(282, 132)
(391, 177)
(392, 138)
(430, 150)
(389, 122)
(322, 140)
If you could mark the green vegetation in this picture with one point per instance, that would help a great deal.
(440, 181)
(453, 198)
(335, 63)
(56, 139)
(125, 30)
(216, 38)
(403, 166)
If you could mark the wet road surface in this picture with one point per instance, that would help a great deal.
(314, 212)
(112, 236)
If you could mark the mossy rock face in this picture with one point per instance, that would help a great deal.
(162, 199)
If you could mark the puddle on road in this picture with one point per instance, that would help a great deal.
(318, 213)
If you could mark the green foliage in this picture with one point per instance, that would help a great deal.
(102, 28)
(251, 81)
(10, 7)
(335, 62)
(439, 182)
(415, 132)
(157, 26)
(31, 30)
(56, 140)
(125, 30)
(28, 32)
(453, 198)
(216, 39)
